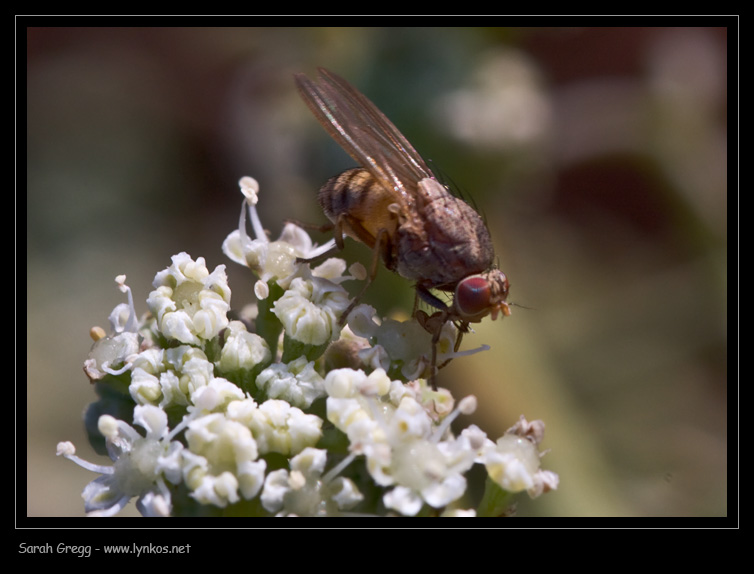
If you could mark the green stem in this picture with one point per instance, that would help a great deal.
(268, 325)
(495, 501)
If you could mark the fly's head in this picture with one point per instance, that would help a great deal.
(480, 295)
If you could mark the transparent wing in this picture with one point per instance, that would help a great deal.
(364, 132)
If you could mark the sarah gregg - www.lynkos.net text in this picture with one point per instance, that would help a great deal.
(85, 551)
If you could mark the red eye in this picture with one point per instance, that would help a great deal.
(473, 296)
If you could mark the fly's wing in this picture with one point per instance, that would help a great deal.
(365, 133)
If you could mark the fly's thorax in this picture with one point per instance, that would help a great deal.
(362, 205)
(443, 241)
(454, 222)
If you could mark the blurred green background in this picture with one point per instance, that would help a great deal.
(597, 155)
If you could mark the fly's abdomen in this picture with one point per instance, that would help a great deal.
(357, 201)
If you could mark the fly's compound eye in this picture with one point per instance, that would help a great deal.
(473, 296)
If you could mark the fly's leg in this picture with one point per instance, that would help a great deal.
(338, 236)
(433, 324)
(456, 346)
(380, 242)
(320, 228)
(380, 245)
(433, 364)
(429, 298)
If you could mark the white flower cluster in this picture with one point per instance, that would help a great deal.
(393, 425)
(265, 416)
